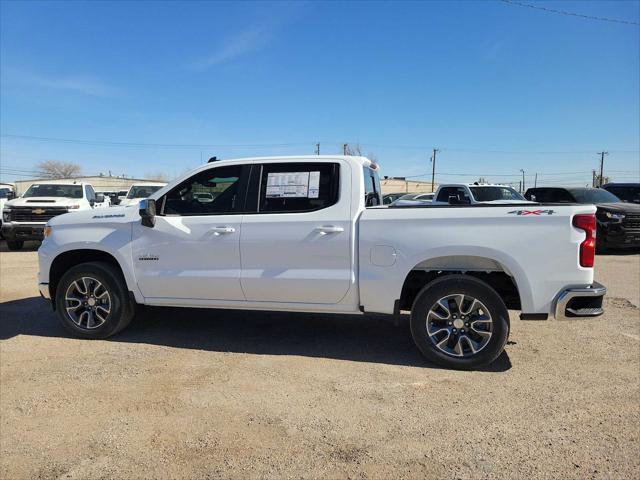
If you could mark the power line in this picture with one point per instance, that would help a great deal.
(156, 145)
(572, 14)
(293, 144)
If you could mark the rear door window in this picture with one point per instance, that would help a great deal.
(297, 186)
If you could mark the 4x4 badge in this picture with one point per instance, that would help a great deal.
(531, 212)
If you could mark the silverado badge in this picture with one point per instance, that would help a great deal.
(38, 211)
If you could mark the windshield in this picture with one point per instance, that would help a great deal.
(53, 190)
(142, 191)
(626, 194)
(488, 194)
(593, 195)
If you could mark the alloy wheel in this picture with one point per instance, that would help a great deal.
(459, 325)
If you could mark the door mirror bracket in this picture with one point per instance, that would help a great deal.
(148, 212)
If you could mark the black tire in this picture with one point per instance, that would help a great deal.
(471, 287)
(15, 244)
(122, 307)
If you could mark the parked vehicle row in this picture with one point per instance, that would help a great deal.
(24, 218)
(618, 222)
(310, 234)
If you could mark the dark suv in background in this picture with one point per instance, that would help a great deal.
(618, 222)
(627, 192)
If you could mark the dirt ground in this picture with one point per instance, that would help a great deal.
(223, 394)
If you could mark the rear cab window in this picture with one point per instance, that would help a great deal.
(458, 192)
(372, 189)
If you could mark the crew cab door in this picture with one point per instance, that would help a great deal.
(296, 244)
(193, 250)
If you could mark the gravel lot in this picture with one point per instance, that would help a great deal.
(218, 394)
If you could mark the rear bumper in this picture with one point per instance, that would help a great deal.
(580, 302)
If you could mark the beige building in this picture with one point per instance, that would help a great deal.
(402, 185)
(99, 183)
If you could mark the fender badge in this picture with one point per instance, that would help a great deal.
(148, 257)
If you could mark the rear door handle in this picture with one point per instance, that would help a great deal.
(222, 230)
(325, 229)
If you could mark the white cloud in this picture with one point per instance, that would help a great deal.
(244, 42)
(78, 83)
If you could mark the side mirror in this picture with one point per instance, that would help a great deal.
(99, 198)
(11, 195)
(92, 202)
(148, 212)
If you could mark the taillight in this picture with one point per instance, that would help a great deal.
(587, 222)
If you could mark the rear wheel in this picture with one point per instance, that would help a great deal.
(459, 322)
(92, 300)
(15, 244)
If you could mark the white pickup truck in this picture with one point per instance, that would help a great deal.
(25, 217)
(476, 193)
(307, 234)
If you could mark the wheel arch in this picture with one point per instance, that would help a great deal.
(70, 258)
(488, 269)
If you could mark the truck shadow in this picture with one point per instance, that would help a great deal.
(367, 338)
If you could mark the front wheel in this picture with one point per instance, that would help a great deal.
(459, 322)
(15, 244)
(92, 300)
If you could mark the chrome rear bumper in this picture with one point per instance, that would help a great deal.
(580, 302)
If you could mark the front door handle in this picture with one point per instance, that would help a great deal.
(222, 230)
(325, 229)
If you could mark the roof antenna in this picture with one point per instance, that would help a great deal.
(213, 159)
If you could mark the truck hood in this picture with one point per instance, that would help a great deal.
(98, 215)
(506, 202)
(42, 202)
(619, 207)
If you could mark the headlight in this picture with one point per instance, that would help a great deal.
(6, 215)
(614, 216)
(73, 207)
(47, 231)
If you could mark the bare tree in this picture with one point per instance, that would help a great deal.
(58, 169)
(157, 176)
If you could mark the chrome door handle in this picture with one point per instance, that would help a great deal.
(325, 229)
(222, 230)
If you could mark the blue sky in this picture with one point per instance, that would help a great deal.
(497, 87)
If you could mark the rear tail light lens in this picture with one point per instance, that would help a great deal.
(587, 222)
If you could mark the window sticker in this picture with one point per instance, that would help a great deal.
(293, 185)
(314, 184)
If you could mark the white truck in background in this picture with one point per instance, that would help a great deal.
(309, 234)
(25, 217)
(476, 193)
(139, 191)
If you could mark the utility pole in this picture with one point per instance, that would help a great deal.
(535, 181)
(602, 154)
(523, 187)
(433, 169)
(344, 148)
(520, 186)
(317, 148)
(593, 178)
